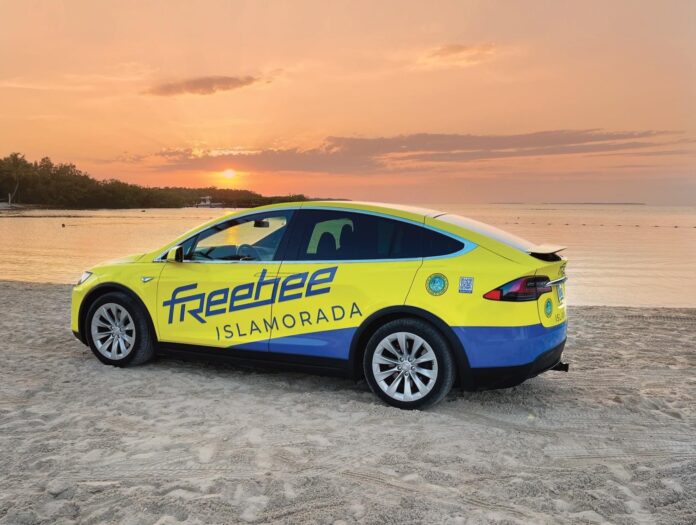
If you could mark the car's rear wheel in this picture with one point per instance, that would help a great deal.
(408, 364)
(118, 331)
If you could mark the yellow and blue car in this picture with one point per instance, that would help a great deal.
(411, 299)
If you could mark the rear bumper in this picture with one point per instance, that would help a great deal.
(509, 376)
(501, 357)
(505, 346)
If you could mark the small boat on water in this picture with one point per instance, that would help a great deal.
(9, 205)
(207, 202)
(10, 197)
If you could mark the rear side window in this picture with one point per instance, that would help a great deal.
(436, 244)
(328, 235)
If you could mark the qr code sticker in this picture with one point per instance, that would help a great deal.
(466, 284)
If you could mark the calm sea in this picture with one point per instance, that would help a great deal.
(618, 255)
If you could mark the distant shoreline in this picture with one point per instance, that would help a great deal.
(579, 203)
(6, 211)
(44, 185)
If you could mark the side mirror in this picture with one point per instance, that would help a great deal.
(176, 254)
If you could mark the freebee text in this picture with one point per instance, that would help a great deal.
(248, 295)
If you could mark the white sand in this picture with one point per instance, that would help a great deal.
(613, 440)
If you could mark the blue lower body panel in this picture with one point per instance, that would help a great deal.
(491, 347)
(485, 347)
(334, 344)
(499, 357)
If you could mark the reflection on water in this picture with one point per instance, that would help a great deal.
(618, 255)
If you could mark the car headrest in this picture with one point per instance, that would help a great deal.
(326, 247)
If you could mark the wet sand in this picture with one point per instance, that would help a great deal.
(613, 440)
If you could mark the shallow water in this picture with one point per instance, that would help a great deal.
(618, 255)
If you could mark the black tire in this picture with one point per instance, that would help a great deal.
(143, 347)
(438, 344)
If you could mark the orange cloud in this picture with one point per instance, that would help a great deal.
(201, 85)
(407, 153)
(458, 55)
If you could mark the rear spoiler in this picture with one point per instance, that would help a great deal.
(546, 252)
(545, 249)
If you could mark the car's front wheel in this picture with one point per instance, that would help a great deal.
(118, 331)
(408, 364)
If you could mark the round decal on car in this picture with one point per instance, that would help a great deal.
(436, 284)
(548, 308)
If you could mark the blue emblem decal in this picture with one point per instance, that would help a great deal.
(548, 308)
(466, 284)
(436, 284)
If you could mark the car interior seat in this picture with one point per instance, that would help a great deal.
(326, 247)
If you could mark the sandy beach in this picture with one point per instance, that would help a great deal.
(613, 440)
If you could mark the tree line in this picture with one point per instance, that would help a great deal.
(52, 185)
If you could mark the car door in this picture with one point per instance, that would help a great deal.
(222, 293)
(343, 266)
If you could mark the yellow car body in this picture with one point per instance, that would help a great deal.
(317, 305)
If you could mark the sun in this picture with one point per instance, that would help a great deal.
(228, 178)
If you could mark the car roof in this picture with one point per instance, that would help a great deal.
(367, 205)
(414, 213)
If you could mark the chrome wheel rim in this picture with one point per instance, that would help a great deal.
(404, 366)
(113, 331)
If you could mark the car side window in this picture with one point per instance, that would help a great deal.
(333, 235)
(436, 244)
(253, 238)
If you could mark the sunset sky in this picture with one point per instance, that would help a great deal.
(395, 101)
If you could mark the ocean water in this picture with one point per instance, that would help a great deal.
(618, 254)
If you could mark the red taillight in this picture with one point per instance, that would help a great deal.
(494, 295)
(522, 289)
